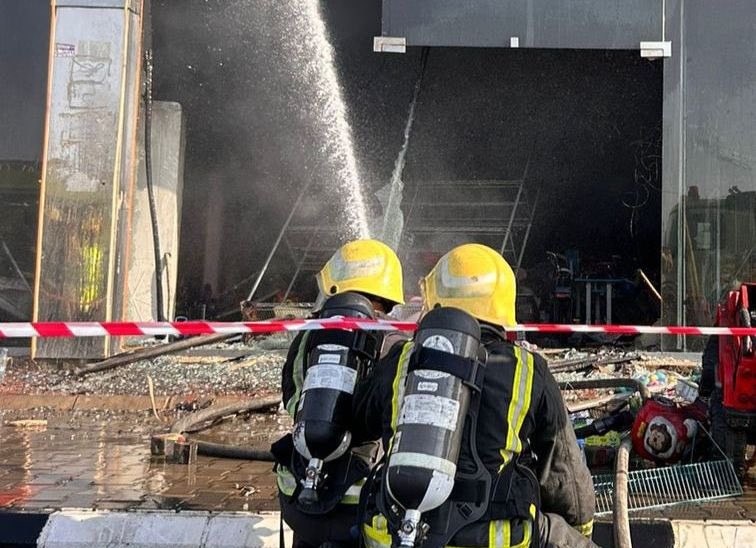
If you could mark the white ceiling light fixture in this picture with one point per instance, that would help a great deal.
(389, 44)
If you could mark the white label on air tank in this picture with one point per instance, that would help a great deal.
(329, 358)
(430, 374)
(395, 443)
(330, 376)
(439, 342)
(431, 410)
(332, 347)
(427, 386)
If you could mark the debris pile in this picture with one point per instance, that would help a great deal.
(222, 370)
(658, 372)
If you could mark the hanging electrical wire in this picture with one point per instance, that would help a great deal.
(150, 187)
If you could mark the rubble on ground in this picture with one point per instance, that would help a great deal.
(659, 372)
(254, 367)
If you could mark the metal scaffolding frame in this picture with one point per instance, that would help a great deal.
(498, 213)
(309, 245)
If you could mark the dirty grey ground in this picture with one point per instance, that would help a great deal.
(102, 460)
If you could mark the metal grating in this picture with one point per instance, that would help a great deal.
(660, 487)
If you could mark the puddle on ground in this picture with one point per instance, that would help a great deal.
(103, 461)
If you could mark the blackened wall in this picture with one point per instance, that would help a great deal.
(481, 113)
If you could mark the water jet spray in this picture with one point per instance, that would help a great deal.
(319, 74)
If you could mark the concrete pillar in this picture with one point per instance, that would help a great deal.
(88, 168)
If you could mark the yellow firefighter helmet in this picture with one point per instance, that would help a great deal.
(476, 279)
(366, 266)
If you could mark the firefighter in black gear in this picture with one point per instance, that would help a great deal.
(372, 269)
(541, 492)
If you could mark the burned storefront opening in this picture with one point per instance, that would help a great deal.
(547, 146)
(551, 157)
(515, 148)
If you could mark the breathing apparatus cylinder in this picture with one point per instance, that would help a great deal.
(332, 368)
(422, 462)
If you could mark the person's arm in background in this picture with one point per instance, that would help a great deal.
(565, 482)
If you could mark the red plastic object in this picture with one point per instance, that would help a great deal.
(736, 372)
(662, 431)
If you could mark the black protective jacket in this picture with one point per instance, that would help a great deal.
(547, 450)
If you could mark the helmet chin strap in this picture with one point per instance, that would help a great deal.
(491, 328)
(319, 301)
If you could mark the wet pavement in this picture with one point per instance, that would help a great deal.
(103, 461)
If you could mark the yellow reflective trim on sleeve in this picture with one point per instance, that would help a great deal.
(376, 535)
(523, 412)
(352, 495)
(297, 376)
(499, 534)
(519, 406)
(586, 529)
(397, 390)
(285, 480)
(526, 535)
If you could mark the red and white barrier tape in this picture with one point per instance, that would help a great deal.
(130, 329)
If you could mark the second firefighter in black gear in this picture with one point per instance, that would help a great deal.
(369, 271)
(534, 488)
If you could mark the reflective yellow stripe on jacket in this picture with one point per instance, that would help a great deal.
(376, 534)
(519, 406)
(398, 388)
(285, 480)
(500, 532)
(298, 376)
(585, 529)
